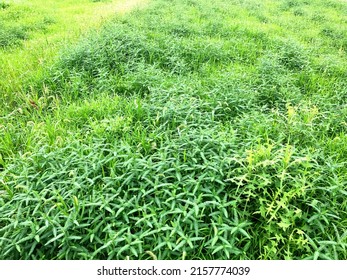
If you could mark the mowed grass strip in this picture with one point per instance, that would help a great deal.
(187, 130)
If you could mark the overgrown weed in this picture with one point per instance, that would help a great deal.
(198, 138)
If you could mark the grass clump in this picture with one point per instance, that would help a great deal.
(4, 5)
(218, 134)
(10, 36)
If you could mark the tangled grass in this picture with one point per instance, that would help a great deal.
(219, 133)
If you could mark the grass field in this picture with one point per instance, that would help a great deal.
(187, 129)
(32, 33)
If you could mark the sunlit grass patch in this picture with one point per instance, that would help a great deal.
(31, 34)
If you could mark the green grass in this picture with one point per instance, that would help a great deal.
(219, 133)
(33, 32)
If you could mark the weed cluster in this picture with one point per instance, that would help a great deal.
(10, 36)
(219, 133)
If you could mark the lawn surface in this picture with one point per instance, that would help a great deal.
(187, 129)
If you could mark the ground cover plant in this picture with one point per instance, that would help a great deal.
(32, 32)
(190, 129)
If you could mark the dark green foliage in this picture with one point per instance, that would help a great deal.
(208, 136)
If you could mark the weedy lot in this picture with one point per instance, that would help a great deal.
(32, 32)
(190, 129)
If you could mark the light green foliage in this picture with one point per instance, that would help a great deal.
(33, 32)
(191, 129)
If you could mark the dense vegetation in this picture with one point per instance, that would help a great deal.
(32, 32)
(190, 129)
